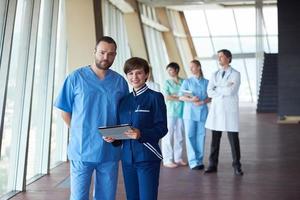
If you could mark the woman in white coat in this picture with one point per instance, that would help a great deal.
(223, 115)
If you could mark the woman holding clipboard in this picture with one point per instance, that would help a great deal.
(194, 94)
(145, 110)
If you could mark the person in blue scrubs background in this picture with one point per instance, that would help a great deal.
(194, 94)
(145, 110)
(89, 98)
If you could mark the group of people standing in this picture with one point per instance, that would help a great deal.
(94, 96)
(189, 98)
(187, 107)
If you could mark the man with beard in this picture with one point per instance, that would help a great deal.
(89, 99)
(223, 116)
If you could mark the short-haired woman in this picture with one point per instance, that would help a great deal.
(145, 110)
(172, 143)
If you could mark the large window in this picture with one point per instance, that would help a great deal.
(36, 134)
(158, 56)
(12, 144)
(181, 39)
(59, 134)
(114, 26)
(236, 31)
(29, 54)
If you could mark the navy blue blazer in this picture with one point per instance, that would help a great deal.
(145, 110)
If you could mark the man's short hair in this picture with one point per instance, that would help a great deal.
(227, 53)
(174, 66)
(136, 63)
(108, 40)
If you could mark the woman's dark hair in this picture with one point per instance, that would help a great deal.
(136, 63)
(174, 66)
(227, 53)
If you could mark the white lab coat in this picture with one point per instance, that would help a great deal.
(224, 109)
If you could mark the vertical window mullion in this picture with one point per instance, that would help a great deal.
(50, 90)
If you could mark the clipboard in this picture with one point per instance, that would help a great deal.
(115, 132)
(187, 93)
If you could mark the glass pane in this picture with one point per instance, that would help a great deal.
(59, 132)
(7, 151)
(273, 41)
(36, 136)
(184, 51)
(4, 159)
(3, 12)
(230, 43)
(248, 44)
(245, 19)
(14, 101)
(244, 91)
(221, 22)
(252, 71)
(114, 26)
(266, 44)
(196, 22)
(271, 21)
(158, 56)
(203, 47)
(225, 33)
(175, 22)
(209, 67)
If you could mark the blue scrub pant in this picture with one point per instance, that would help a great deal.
(105, 180)
(141, 180)
(195, 140)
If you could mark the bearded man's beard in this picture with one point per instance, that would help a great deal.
(102, 65)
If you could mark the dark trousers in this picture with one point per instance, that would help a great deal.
(233, 138)
(141, 180)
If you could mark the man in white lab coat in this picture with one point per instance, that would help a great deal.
(223, 115)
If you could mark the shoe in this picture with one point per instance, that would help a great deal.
(198, 167)
(211, 170)
(171, 165)
(238, 172)
(181, 163)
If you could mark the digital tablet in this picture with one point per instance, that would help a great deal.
(116, 132)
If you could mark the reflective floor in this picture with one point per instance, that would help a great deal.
(270, 159)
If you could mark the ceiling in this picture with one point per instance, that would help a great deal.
(192, 4)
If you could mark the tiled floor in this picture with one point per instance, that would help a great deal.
(270, 158)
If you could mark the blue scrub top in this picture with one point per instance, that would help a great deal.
(198, 86)
(92, 102)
